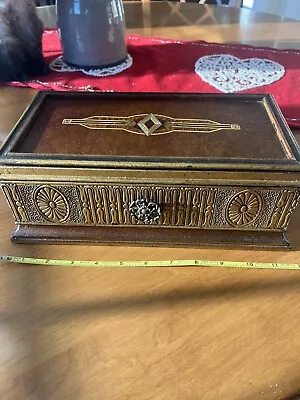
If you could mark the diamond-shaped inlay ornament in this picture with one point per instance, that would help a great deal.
(149, 124)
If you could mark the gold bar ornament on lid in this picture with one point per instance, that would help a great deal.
(151, 124)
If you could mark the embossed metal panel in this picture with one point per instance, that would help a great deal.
(190, 207)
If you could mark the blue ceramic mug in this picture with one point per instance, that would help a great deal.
(92, 32)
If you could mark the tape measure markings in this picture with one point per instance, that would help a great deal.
(148, 263)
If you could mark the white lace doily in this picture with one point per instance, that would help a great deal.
(59, 65)
(230, 74)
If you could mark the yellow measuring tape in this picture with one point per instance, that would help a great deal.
(143, 264)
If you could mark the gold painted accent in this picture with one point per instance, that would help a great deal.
(181, 206)
(51, 204)
(211, 194)
(18, 203)
(243, 208)
(93, 204)
(156, 124)
(159, 124)
(110, 205)
(7, 194)
(99, 207)
(14, 200)
(125, 207)
(285, 205)
(85, 206)
(113, 206)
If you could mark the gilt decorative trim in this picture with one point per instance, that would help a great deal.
(14, 200)
(51, 204)
(151, 124)
(112, 205)
(285, 205)
(176, 207)
(243, 208)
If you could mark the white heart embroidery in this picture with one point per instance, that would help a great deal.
(230, 74)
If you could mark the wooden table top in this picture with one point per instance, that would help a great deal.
(181, 333)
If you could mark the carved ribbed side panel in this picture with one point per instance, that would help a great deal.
(109, 205)
(286, 204)
(15, 202)
(190, 207)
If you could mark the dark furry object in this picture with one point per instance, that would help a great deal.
(21, 32)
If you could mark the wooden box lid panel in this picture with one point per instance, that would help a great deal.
(154, 128)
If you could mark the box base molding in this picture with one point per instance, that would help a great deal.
(148, 237)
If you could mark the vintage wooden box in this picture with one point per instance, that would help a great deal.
(151, 169)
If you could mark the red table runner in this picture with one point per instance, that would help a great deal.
(161, 65)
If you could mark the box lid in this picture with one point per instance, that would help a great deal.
(199, 132)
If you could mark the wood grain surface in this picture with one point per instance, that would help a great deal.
(180, 333)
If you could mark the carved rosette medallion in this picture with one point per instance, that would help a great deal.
(51, 204)
(243, 208)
